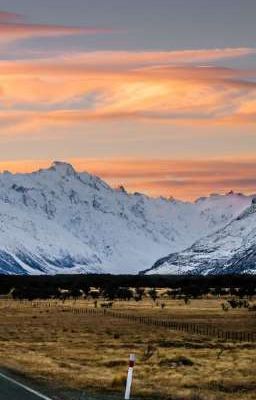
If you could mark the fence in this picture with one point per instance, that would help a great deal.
(187, 327)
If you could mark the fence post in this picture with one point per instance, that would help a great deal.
(129, 377)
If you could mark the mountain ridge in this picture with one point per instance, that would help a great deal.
(231, 249)
(58, 220)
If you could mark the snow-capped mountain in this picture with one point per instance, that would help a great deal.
(231, 249)
(58, 220)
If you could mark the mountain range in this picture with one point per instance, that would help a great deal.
(229, 250)
(58, 220)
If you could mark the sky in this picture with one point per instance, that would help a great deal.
(155, 95)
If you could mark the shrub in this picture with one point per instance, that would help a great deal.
(176, 362)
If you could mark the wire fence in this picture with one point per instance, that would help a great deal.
(194, 328)
(187, 327)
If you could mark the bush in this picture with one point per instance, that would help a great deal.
(176, 362)
(153, 294)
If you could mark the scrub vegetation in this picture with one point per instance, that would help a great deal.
(48, 341)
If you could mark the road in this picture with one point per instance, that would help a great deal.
(10, 389)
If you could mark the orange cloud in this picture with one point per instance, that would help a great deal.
(14, 26)
(93, 86)
(153, 59)
(186, 179)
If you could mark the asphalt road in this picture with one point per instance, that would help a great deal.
(10, 389)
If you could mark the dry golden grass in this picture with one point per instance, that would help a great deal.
(207, 310)
(86, 351)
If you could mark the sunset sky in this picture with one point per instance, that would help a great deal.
(157, 95)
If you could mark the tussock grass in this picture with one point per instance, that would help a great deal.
(86, 351)
(118, 381)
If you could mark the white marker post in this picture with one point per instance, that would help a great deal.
(129, 377)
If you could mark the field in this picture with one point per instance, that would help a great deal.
(49, 342)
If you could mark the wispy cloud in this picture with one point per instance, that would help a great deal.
(15, 26)
(154, 59)
(167, 87)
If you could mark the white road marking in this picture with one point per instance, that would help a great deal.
(28, 389)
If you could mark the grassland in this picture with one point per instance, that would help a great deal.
(91, 352)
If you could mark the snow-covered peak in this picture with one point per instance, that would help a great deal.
(58, 219)
(231, 249)
(63, 168)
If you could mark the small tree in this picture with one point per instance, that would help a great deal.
(75, 293)
(153, 294)
(124, 294)
(110, 292)
(139, 293)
